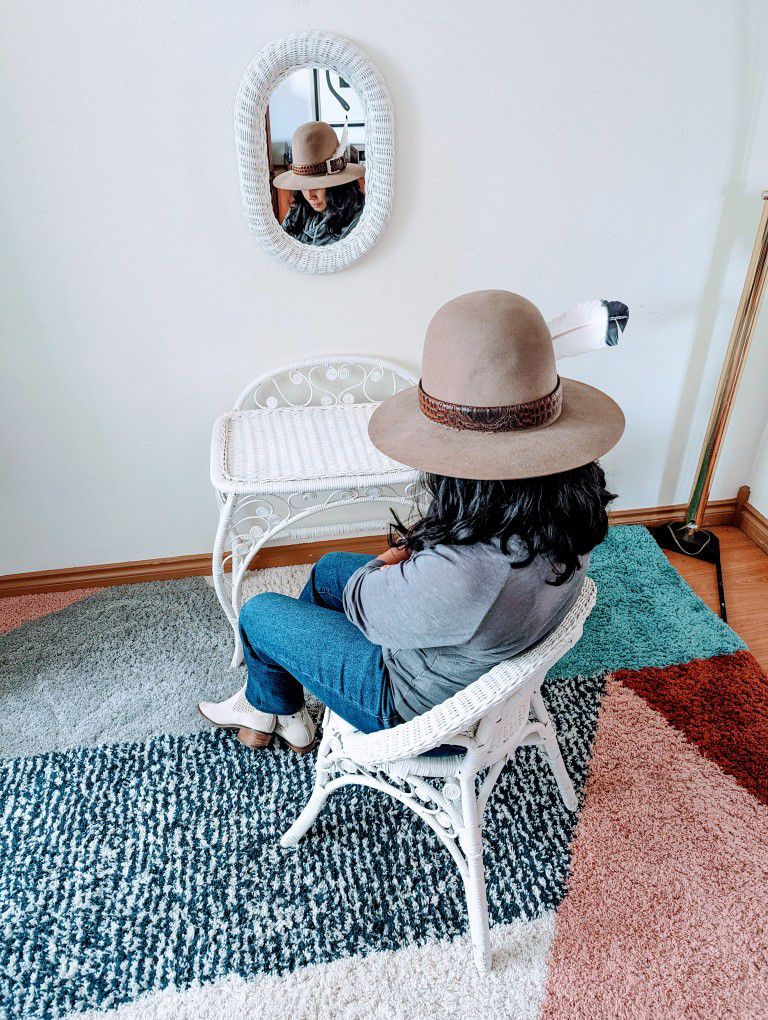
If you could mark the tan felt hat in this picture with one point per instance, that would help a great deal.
(490, 404)
(319, 159)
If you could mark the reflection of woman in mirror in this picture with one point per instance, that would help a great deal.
(327, 200)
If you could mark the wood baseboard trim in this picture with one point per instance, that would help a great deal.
(754, 525)
(719, 511)
(173, 567)
(104, 575)
(196, 565)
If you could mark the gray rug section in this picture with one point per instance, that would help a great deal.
(125, 664)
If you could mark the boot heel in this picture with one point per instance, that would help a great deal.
(253, 739)
(300, 750)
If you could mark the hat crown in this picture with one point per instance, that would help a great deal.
(313, 142)
(487, 349)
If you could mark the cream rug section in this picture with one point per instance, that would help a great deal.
(431, 982)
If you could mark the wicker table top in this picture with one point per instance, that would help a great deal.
(285, 448)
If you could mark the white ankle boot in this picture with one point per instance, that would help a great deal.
(255, 728)
(297, 731)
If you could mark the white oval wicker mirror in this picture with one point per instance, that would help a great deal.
(319, 52)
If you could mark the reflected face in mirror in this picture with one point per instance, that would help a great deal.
(316, 198)
(318, 174)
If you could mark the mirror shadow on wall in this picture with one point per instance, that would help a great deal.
(316, 140)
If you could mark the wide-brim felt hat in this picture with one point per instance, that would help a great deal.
(490, 403)
(319, 160)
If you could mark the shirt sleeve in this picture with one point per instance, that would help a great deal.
(437, 597)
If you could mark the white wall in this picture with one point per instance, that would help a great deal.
(758, 478)
(562, 150)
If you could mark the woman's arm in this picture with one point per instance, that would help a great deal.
(436, 597)
(392, 556)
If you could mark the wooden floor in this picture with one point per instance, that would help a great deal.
(745, 571)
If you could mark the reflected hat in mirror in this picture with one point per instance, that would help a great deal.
(490, 403)
(319, 159)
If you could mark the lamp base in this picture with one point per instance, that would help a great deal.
(677, 536)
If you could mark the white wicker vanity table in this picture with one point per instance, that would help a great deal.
(296, 445)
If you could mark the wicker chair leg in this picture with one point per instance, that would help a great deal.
(474, 880)
(552, 751)
(306, 818)
(319, 795)
(477, 910)
(539, 708)
(559, 771)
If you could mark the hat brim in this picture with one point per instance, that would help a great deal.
(289, 181)
(590, 424)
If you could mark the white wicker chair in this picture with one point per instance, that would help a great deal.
(491, 718)
(296, 445)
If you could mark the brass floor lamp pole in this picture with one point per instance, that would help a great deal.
(688, 536)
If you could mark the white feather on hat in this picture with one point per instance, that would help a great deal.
(588, 326)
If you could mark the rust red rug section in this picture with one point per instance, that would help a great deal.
(721, 705)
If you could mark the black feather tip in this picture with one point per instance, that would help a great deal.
(618, 317)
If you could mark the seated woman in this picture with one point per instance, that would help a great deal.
(516, 504)
(327, 200)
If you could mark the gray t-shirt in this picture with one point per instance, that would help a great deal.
(448, 614)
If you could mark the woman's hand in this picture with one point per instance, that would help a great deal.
(392, 556)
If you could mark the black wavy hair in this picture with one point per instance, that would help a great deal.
(342, 204)
(561, 516)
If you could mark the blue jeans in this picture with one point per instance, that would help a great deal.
(308, 642)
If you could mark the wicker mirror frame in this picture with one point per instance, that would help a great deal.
(269, 68)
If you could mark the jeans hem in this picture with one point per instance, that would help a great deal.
(274, 711)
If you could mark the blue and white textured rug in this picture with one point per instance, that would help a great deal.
(141, 872)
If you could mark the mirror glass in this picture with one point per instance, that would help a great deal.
(316, 140)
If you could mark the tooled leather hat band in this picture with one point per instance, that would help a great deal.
(328, 166)
(505, 418)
